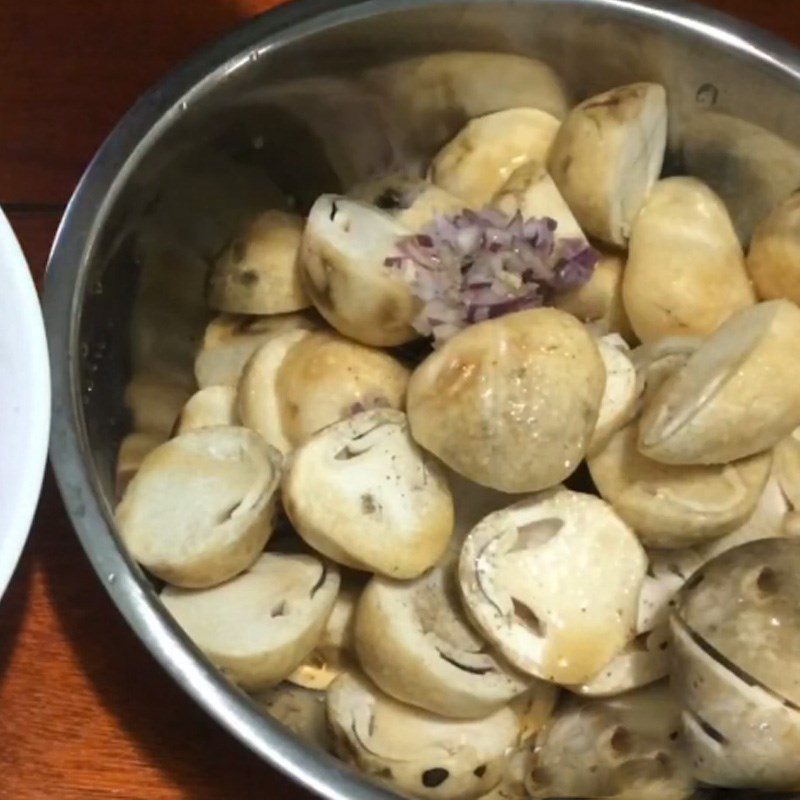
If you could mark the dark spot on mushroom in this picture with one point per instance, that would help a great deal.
(695, 581)
(318, 585)
(368, 504)
(527, 617)
(248, 277)
(464, 667)
(389, 312)
(621, 741)
(389, 200)
(650, 572)
(279, 610)
(767, 582)
(480, 771)
(432, 778)
(710, 730)
(663, 646)
(674, 736)
(292, 409)
(384, 773)
(542, 776)
(334, 211)
(566, 164)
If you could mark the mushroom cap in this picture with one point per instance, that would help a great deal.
(343, 253)
(685, 274)
(608, 155)
(301, 710)
(418, 752)
(325, 378)
(259, 626)
(415, 643)
(259, 273)
(231, 339)
(335, 649)
(364, 494)
(671, 506)
(599, 301)
(258, 400)
(657, 361)
(739, 735)
(739, 394)
(132, 451)
(213, 490)
(774, 258)
(531, 191)
(623, 747)
(621, 394)
(214, 405)
(438, 93)
(510, 403)
(745, 606)
(412, 202)
(517, 571)
(476, 163)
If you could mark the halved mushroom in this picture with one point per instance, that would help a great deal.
(625, 747)
(345, 246)
(670, 506)
(418, 752)
(412, 202)
(199, 510)
(514, 574)
(230, 340)
(739, 394)
(657, 361)
(743, 606)
(485, 153)
(259, 273)
(335, 649)
(362, 493)
(608, 155)
(298, 383)
(739, 734)
(685, 274)
(301, 710)
(259, 626)
(415, 643)
(435, 94)
(259, 405)
(531, 191)
(774, 258)
(621, 393)
(522, 390)
(214, 405)
(599, 302)
(132, 451)
(787, 467)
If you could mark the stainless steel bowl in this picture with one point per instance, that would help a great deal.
(282, 101)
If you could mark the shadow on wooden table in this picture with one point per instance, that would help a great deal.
(13, 607)
(169, 732)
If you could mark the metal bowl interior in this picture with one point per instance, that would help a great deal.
(287, 106)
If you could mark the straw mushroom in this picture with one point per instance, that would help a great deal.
(774, 258)
(345, 246)
(676, 506)
(486, 152)
(259, 626)
(415, 643)
(414, 751)
(625, 747)
(214, 405)
(685, 274)
(299, 383)
(608, 155)
(199, 510)
(230, 340)
(259, 273)
(522, 390)
(739, 394)
(514, 575)
(364, 494)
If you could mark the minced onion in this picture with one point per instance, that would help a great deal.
(478, 265)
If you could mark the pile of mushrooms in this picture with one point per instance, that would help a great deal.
(526, 528)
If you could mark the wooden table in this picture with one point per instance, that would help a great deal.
(85, 712)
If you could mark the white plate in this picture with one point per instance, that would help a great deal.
(24, 401)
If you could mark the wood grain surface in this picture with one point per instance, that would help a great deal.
(85, 712)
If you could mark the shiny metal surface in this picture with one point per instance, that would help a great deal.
(291, 105)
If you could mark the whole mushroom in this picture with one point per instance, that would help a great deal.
(522, 390)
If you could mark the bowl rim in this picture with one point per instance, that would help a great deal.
(30, 402)
(65, 288)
